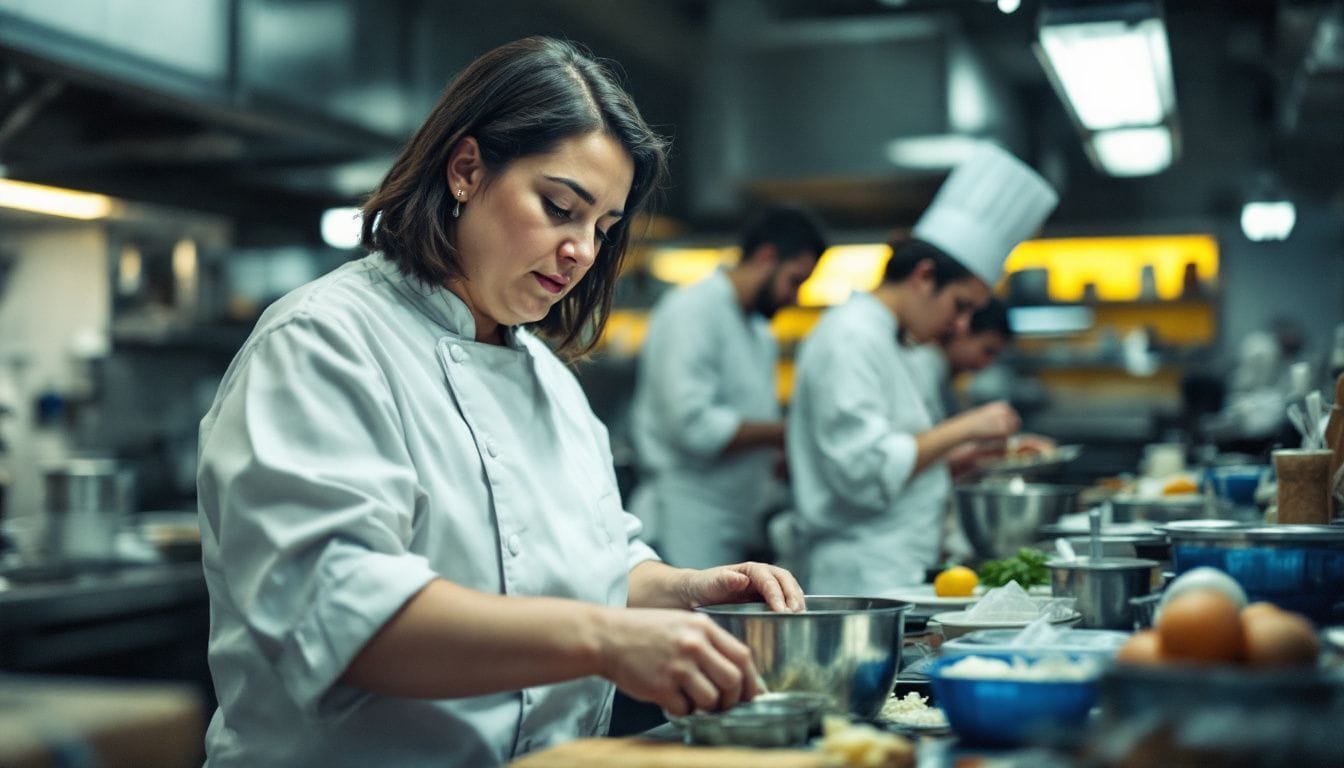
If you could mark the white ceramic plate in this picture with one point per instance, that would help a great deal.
(955, 623)
(921, 595)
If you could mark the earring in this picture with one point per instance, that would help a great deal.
(457, 206)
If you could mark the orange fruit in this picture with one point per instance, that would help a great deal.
(957, 581)
(1202, 626)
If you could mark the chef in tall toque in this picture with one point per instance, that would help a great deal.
(868, 466)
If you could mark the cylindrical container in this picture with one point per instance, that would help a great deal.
(1102, 588)
(1304, 485)
(848, 648)
(86, 501)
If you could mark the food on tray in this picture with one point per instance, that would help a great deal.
(862, 746)
(1179, 486)
(912, 710)
(1027, 568)
(957, 581)
(1206, 626)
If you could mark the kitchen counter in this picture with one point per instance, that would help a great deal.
(51, 617)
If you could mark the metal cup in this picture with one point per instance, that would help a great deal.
(1103, 587)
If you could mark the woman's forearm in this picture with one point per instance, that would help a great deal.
(655, 584)
(495, 643)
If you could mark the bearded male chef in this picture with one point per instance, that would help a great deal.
(867, 460)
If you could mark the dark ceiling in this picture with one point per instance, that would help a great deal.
(273, 159)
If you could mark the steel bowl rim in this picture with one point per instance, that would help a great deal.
(759, 609)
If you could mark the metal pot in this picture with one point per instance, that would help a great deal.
(999, 518)
(1103, 587)
(848, 648)
(1131, 509)
(86, 500)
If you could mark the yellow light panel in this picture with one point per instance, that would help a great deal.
(54, 201)
(682, 266)
(842, 270)
(1115, 264)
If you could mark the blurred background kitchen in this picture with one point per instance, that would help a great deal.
(169, 168)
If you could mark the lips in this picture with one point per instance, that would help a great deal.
(552, 283)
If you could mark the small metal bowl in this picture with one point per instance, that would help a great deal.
(769, 720)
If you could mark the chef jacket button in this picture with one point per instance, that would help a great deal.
(491, 447)
(457, 353)
(515, 544)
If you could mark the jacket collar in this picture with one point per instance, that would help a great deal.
(440, 305)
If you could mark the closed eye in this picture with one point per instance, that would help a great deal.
(554, 210)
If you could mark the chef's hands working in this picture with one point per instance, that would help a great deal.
(682, 660)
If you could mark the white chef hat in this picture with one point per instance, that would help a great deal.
(989, 203)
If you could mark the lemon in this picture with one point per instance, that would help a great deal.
(957, 581)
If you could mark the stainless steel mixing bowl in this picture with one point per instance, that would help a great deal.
(1000, 518)
(846, 647)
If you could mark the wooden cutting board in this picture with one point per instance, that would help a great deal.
(645, 753)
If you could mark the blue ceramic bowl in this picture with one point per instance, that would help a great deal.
(1008, 713)
(1237, 484)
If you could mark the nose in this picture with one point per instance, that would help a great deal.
(582, 252)
(963, 323)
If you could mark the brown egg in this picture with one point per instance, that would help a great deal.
(1202, 626)
(1277, 638)
(1144, 647)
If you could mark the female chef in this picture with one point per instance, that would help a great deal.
(413, 541)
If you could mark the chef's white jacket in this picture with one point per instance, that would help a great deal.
(705, 367)
(360, 445)
(867, 522)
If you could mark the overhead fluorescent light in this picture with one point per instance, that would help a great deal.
(1132, 151)
(54, 201)
(932, 152)
(1113, 73)
(1263, 220)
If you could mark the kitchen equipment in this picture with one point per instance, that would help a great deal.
(999, 518)
(1102, 643)
(957, 623)
(1236, 483)
(769, 720)
(87, 500)
(996, 711)
(1185, 715)
(1031, 463)
(1304, 485)
(846, 647)
(1103, 587)
(1297, 567)
(1128, 508)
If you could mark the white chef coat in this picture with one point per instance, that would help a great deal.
(930, 371)
(867, 521)
(361, 444)
(705, 367)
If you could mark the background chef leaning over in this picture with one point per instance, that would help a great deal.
(707, 422)
(866, 459)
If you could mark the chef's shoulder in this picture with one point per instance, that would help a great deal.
(347, 301)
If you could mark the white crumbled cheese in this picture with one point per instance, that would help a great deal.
(912, 710)
(1050, 668)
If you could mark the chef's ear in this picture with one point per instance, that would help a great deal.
(925, 274)
(465, 169)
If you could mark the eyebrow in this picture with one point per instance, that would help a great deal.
(583, 193)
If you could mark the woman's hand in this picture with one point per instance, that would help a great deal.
(743, 583)
(679, 660)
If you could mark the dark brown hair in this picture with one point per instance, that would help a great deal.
(518, 100)
(908, 253)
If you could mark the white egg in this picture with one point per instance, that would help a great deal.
(1203, 577)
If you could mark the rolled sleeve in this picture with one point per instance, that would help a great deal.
(309, 497)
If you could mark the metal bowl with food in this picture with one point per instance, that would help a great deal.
(769, 720)
(1131, 508)
(999, 518)
(848, 648)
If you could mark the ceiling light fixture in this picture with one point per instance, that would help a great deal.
(55, 201)
(1111, 66)
(1131, 151)
(1263, 220)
